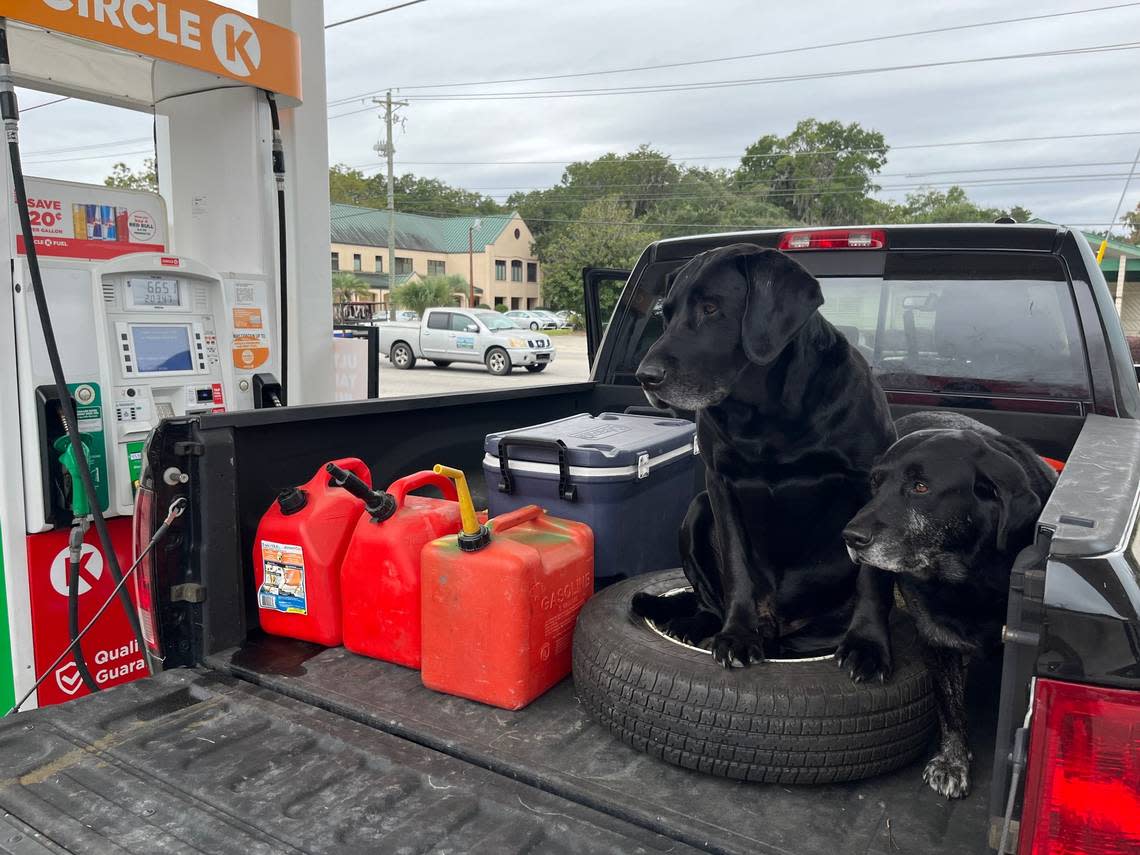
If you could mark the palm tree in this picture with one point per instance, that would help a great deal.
(347, 287)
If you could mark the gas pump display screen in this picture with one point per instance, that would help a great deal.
(161, 347)
(151, 291)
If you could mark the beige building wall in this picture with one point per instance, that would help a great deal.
(507, 248)
(369, 254)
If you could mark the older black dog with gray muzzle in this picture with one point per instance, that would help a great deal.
(789, 421)
(954, 502)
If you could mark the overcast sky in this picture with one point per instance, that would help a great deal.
(451, 42)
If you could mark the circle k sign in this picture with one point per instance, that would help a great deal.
(236, 44)
(90, 569)
(193, 33)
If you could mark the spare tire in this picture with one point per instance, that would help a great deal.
(781, 721)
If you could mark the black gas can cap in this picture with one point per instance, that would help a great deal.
(291, 500)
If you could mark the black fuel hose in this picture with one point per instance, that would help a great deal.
(282, 248)
(78, 529)
(10, 114)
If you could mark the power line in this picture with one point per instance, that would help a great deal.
(45, 104)
(106, 156)
(388, 9)
(829, 189)
(680, 183)
(768, 53)
(656, 89)
(814, 153)
(89, 146)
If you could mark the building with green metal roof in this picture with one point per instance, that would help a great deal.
(493, 252)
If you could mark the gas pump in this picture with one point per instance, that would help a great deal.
(163, 305)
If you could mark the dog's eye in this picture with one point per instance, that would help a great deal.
(709, 308)
(920, 487)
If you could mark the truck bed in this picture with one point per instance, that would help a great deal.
(193, 761)
(552, 746)
(289, 747)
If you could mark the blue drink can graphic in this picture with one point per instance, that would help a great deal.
(107, 215)
(92, 225)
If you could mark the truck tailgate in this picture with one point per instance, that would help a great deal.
(553, 745)
(194, 761)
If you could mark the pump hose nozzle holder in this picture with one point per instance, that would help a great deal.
(379, 504)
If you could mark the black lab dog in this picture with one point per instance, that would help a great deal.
(954, 502)
(789, 422)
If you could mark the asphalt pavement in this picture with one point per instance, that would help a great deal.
(570, 365)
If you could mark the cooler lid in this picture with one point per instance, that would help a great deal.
(605, 441)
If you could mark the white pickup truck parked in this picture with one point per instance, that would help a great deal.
(445, 336)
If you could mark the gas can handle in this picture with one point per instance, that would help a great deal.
(399, 489)
(566, 491)
(517, 517)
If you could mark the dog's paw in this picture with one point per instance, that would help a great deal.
(695, 629)
(864, 659)
(948, 775)
(737, 646)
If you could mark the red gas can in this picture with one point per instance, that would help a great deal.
(297, 555)
(380, 576)
(500, 602)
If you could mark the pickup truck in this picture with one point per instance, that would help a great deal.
(445, 336)
(246, 743)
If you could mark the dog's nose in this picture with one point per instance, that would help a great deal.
(650, 376)
(857, 538)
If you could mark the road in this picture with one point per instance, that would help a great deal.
(569, 366)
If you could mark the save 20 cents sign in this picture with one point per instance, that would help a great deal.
(194, 33)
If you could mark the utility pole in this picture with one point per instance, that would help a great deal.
(388, 149)
(471, 262)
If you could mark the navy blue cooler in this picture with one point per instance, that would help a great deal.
(630, 478)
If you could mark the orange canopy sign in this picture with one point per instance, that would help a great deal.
(194, 33)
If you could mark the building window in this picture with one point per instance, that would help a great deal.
(356, 265)
(531, 271)
(514, 303)
(403, 265)
(379, 264)
(518, 234)
(516, 271)
(498, 301)
(531, 302)
(501, 271)
(336, 261)
(437, 268)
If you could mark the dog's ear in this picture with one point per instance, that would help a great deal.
(781, 297)
(1005, 479)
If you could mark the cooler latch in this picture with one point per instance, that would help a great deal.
(642, 465)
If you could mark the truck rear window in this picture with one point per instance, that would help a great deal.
(954, 323)
(995, 337)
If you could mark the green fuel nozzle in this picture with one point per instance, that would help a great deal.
(80, 507)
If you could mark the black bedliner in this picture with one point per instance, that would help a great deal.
(553, 746)
(193, 761)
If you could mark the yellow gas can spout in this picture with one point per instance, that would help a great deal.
(473, 535)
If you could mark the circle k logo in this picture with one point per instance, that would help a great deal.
(236, 44)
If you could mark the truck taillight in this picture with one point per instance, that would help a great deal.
(834, 239)
(1082, 793)
(143, 579)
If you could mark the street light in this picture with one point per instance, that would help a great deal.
(471, 262)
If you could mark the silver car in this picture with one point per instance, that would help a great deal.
(466, 335)
(533, 320)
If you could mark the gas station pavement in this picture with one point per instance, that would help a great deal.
(570, 365)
